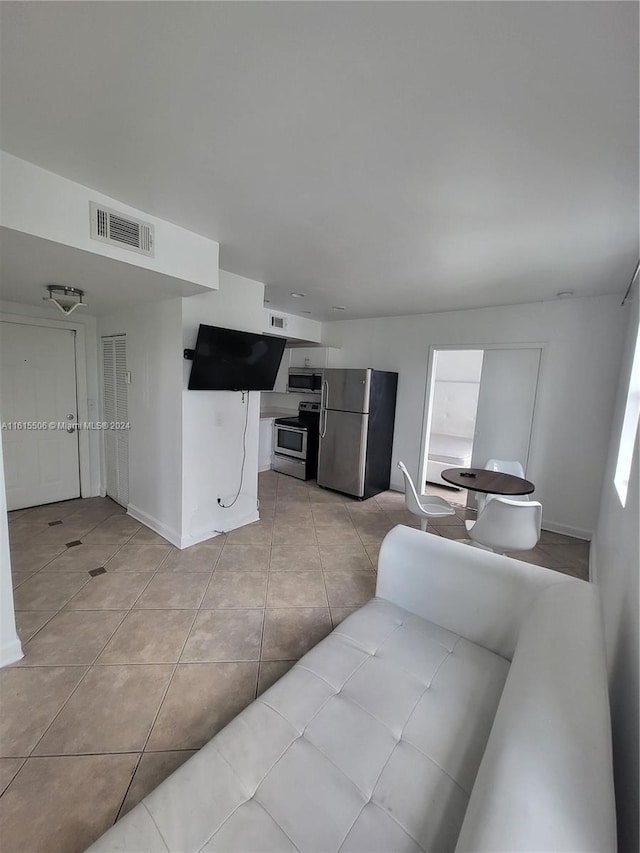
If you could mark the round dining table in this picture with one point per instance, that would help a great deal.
(491, 482)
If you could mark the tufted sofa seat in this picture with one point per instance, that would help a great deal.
(465, 708)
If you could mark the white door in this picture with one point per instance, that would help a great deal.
(38, 387)
(115, 378)
(505, 405)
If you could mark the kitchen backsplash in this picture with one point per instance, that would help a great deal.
(273, 400)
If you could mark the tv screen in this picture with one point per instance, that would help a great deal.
(228, 360)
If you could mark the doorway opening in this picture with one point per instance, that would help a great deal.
(479, 405)
(451, 426)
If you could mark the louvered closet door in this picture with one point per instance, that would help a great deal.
(116, 410)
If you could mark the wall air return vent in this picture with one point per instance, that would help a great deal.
(112, 227)
(278, 322)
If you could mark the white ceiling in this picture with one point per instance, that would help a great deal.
(389, 157)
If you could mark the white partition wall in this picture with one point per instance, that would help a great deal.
(10, 646)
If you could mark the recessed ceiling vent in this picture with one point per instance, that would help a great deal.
(278, 322)
(112, 227)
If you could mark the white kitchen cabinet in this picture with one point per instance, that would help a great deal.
(312, 356)
(303, 357)
(265, 444)
(280, 385)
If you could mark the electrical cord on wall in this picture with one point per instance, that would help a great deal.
(244, 456)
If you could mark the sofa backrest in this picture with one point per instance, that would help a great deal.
(545, 782)
(477, 594)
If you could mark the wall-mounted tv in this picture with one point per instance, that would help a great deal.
(228, 360)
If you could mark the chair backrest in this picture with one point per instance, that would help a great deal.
(508, 525)
(505, 466)
(410, 494)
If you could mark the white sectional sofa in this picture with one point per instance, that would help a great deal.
(464, 708)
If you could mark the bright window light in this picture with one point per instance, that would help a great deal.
(629, 428)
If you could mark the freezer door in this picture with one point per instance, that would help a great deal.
(343, 451)
(346, 390)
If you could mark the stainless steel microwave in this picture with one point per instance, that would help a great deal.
(305, 380)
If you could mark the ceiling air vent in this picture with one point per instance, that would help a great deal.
(112, 227)
(278, 322)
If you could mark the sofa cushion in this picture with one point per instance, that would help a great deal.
(371, 742)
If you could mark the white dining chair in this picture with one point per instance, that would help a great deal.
(504, 466)
(424, 506)
(507, 525)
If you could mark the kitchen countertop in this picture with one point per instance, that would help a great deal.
(265, 414)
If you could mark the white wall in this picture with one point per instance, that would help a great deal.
(90, 478)
(302, 328)
(213, 421)
(10, 646)
(36, 201)
(185, 447)
(615, 561)
(582, 341)
(289, 400)
(154, 357)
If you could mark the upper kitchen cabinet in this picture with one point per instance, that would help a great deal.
(282, 377)
(313, 357)
(319, 357)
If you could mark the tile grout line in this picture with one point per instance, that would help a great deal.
(89, 666)
(75, 689)
(156, 715)
(266, 594)
(64, 550)
(90, 609)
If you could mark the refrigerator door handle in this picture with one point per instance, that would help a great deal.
(323, 423)
(325, 385)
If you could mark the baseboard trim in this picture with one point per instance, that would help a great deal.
(149, 521)
(11, 653)
(568, 530)
(174, 537)
(204, 535)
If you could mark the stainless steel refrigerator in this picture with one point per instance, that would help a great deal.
(356, 430)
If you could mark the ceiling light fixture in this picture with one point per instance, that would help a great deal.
(298, 295)
(564, 294)
(306, 312)
(67, 299)
(338, 308)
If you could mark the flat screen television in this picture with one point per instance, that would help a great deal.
(228, 360)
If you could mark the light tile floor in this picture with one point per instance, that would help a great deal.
(127, 672)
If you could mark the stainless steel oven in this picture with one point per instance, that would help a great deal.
(305, 380)
(290, 441)
(295, 442)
